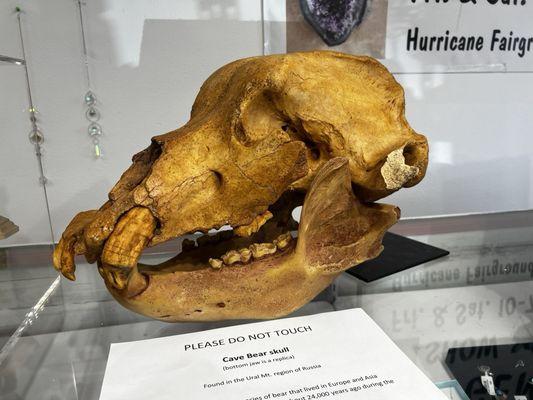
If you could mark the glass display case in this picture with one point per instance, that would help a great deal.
(92, 83)
(57, 335)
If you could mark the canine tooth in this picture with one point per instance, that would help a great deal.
(246, 255)
(215, 263)
(129, 238)
(188, 245)
(231, 257)
(137, 282)
(262, 249)
(283, 240)
(117, 277)
(254, 226)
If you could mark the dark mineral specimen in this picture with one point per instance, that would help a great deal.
(333, 20)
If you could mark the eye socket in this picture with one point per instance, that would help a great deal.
(257, 119)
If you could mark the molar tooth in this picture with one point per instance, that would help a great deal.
(231, 257)
(215, 263)
(188, 245)
(246, 255)
(262, 249)
(283, 240)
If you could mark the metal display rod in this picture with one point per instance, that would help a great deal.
(35, 136)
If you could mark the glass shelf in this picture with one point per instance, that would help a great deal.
(481, 294)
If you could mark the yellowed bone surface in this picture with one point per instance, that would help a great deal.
(275, 283)
(321, 129)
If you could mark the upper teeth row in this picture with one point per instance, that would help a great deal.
(256, 250)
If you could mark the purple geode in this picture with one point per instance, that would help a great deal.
(333, 20)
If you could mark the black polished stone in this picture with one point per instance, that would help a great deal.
(333, 20)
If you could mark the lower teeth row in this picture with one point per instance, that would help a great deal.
(256, 250)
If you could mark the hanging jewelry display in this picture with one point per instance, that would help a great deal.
(94, 129)
(36, 136)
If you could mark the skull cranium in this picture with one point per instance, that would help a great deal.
(264, 132)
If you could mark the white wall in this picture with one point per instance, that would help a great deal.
(148, 59)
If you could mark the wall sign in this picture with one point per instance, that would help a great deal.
(421, 35)
(458, 36)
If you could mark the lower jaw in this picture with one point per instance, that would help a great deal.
(188, 288)
(249, 292)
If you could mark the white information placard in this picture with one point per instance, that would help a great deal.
(337, 355)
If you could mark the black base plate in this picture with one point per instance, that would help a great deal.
(399, 254)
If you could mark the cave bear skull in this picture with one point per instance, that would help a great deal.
(266, 134)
